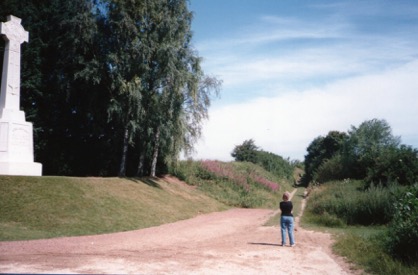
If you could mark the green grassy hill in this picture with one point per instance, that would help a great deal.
(45, 207)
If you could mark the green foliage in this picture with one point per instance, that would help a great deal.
(388, 249)
(402, 238)
(60, 89)
(369, 253)
(112, 87)
(151, 41)
(274, 164)
(239, 184)
(393, 164)
(349, 202)
(320, 150)
(330, 169)
(366, 144)
(325, 219)
(369, 152)
(249, 152)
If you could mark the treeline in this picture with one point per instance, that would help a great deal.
(369, 152)
(113, 87)
(248, 151)
(385, 191)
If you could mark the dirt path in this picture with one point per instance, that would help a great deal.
(230, 242)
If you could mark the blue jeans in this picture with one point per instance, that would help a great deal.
(286, 223)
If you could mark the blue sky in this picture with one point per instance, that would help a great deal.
(295, 70)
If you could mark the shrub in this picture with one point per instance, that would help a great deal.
(348, 201)
(330, 169)
(322, 149)
(238, 184)
(395, 165)
(403, 230)
(275, 164)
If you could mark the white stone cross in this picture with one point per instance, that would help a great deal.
(14, 34)
(16, 134)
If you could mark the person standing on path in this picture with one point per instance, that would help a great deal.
(286, 219)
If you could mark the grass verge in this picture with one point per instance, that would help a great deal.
(367, 252)
(363, 246)
(46, 207)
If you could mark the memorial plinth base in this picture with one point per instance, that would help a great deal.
(21, 168)
(16, 145)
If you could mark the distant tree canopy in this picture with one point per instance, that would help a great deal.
(273, 163)
(247, 151)
(113, 87)
(322, 149)
(368, 152)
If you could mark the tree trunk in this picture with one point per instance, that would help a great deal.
(155, 153)
(122, 168)
(140, 170)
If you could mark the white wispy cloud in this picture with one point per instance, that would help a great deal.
(293, 79)
(286, 124)
(346, 54)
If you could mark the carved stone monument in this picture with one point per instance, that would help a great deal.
(16, 135)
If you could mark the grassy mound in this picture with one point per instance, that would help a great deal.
(45, 207)
(238, 184)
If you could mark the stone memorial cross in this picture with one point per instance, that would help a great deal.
(16, 134)
(14, 34)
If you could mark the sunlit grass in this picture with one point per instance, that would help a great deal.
(363, 246)
(366, 250)
(44, 207)
(238, 184)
